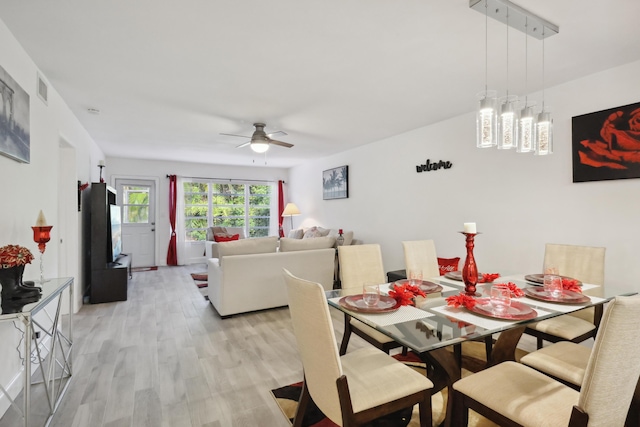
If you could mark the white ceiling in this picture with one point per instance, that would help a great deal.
(169, 77)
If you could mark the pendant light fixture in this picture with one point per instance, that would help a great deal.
(508, 119)
(544, 125)
(519, 127)
(487, 116)
(527, 122)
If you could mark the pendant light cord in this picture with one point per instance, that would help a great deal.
(486, 47)
(543, 85)
(507, 98)
(526, 61)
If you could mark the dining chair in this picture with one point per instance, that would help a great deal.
(567, 362)
(420, 255)
(353, 389)
(584, 263)
(520, 395)
(360, 264)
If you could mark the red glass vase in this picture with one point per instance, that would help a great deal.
(470, 270)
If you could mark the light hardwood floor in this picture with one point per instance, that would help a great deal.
(165, 358)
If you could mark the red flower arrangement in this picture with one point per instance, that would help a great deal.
(571, 285)
(461, 299)
(14, 255)
(516, 292)
(405, 294)
(488, 277)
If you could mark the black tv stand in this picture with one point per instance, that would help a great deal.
(107, 281)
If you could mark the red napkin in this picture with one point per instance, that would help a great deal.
(571, 285)
(488, 277)
(461, 300)
(516, 292)
(404, 294)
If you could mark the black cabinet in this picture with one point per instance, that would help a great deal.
(107, 280)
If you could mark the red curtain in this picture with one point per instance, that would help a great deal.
(172, 253)
(280, 207)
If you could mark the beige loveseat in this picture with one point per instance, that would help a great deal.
(247, 275)
(211, 246)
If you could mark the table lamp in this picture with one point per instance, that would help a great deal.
(41, 235)
(291, 210)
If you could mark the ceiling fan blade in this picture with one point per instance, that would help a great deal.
(280, 143)
(244, 144)
(277, 133)
(230, 134)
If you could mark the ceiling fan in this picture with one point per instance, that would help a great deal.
(260, 141)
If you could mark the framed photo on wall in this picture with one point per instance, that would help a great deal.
(335, 183)
(15, 137)
(606, 144)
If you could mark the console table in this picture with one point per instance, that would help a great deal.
(46, 343)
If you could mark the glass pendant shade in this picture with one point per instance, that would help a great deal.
(527, 130)
(487, 120)
(508, 123)
(544, 134)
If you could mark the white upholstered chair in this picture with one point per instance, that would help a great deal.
(420, 255)
(512, 394)
(356, 388)
(586, 264)
(361, 264)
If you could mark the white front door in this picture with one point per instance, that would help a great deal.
(137, 198)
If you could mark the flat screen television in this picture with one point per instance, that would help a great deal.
(115, 218)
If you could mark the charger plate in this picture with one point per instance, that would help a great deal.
(566, 297)
(517, 310)
(356, 303)
(425, 286)
(539, 278)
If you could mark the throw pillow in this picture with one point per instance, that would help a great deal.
(211, 231)
(296, 234)
(223, 237)
(315, 232)
(447, 265)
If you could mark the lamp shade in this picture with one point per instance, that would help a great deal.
(291, 210)
(259, 145)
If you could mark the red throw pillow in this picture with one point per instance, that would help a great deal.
(447, 265)
(225, 237)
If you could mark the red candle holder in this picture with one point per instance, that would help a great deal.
(41, 235)
(470, 269)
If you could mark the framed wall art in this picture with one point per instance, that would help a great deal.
(335, 183)
(15, 139)
(606, 144)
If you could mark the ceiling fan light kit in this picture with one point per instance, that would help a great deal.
(260, 141)
(524, 132)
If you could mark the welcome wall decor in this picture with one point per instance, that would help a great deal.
(427, 167)
(606, 144)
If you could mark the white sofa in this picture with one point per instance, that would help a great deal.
(211, 246)
(248, 274)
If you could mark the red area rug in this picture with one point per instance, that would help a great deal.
(200, 277)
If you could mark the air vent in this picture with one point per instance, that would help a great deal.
(43, 90)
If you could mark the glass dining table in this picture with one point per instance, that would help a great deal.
(431, 326)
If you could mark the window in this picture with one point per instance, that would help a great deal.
(227, 204)
(135, 204)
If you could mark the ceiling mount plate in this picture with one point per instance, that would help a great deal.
(519, 18)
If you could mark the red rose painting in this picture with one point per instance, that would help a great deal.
(606, 144)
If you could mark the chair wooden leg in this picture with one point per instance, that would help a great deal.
(579, 418)
(426, 412)
(459, 413)
(345, 335)
(302, 405)
(539, 342)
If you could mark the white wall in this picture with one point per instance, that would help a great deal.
(39, 185)
(519, 202)
(158, 170)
